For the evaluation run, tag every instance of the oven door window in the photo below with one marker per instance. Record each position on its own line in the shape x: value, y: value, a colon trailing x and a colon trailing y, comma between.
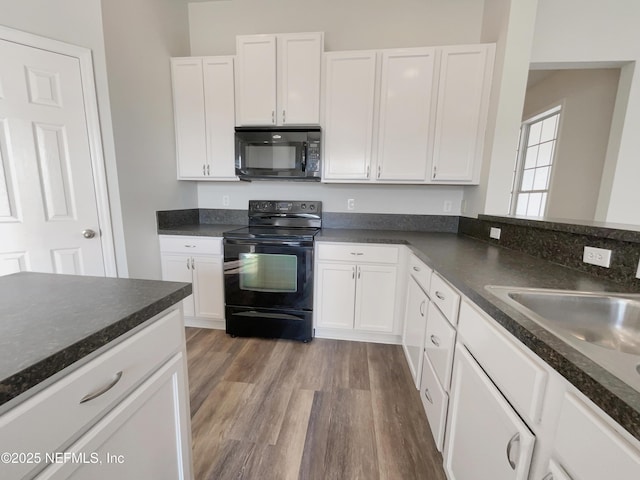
x: 267, y: 272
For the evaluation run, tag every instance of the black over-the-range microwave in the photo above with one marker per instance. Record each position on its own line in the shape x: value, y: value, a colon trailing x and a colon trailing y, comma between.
x: 278, y: 153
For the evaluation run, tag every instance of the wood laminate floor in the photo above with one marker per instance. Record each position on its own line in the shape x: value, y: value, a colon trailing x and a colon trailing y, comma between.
x: 278, y: 409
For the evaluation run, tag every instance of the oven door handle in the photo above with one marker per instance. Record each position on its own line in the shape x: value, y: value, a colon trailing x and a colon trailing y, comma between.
x: 255, y: 313
x: 270, y: 243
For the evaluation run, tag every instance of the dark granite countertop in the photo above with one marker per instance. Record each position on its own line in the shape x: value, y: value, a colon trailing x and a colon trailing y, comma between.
x: 49, y: 322
x: 470, y: 265
x: 202, y: 229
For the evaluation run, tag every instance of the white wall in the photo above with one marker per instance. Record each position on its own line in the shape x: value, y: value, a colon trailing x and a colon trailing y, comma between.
x: 587, y: 98
x: 579, y: 31
x: 140, y: 37
x: 510, y: 24
x: 352, y: 24
x: 356, y: 24
x: 78, y: 22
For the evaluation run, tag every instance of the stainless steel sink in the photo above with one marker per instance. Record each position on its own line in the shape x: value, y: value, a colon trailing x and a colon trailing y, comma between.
x: 604, y: 326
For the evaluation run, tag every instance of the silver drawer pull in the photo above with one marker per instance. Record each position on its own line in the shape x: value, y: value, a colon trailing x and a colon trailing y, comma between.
x: 190, y: 246
x: 102, y: 390
x: 435, y: 340
x: 514, y: 439
x: 428, y: 397
x: 416, y: 269
x: 357, y: 253
x: 439, y: 295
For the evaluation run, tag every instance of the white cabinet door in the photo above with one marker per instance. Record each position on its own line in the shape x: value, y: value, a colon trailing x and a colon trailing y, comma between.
x: 208, y: 287
x: 189, y: 116
x: 485, y: 436
x: 177, y: 268
x: 415, y: 322
x: 300, y: 57
x: 143, y: 437
x: 375, y: 298
x: 348, y: 115
x: 219, y: 95
x: 336, y: 295
x: 405, y: 114
x: 461, y: 117
x: 256, y: 87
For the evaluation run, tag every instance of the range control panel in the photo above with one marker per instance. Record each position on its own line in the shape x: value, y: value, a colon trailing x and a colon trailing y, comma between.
x: 285, y: 206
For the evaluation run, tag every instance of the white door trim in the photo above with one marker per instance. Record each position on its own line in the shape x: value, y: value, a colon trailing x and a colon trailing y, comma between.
x: 93, y: 130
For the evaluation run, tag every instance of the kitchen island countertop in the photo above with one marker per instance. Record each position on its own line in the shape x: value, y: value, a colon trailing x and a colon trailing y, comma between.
x: 52, y: 322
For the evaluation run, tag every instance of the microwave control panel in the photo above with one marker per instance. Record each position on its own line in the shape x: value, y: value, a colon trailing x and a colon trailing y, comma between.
x: 313, y: 156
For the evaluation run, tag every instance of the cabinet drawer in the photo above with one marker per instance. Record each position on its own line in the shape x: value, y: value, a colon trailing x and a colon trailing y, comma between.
x: 445, y: 297
x: 356, y: 252
x: 584, y: 440
x: 191, y: 245
x: 518, y: 376
x: 53, y: 418
x: 420, y: 272
x: 439, y: 344
x: 435, y: 401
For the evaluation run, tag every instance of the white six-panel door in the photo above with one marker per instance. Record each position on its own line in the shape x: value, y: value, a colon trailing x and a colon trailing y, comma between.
x: 47, y: 196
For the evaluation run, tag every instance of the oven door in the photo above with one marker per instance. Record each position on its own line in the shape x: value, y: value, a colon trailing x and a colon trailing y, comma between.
x: 268, y: 274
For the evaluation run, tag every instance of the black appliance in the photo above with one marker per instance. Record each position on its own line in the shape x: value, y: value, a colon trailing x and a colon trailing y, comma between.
x: 278, y: 153
x: 268, y: 271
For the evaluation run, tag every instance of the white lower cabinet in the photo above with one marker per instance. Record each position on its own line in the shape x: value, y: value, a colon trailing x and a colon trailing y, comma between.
x: 357, y: 299
x: 435, y: 401
x: 143, y: 437
x: 415, y: 324
x: 196, y: 260
x: 485, y: 437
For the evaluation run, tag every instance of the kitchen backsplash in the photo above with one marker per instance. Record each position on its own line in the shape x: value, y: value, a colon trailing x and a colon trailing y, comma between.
x: 563, y: 243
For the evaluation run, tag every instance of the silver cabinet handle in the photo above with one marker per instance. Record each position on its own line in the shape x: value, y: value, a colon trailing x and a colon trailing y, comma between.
x: 439, y: 295
x: 379, y: 167
x: 424, y: 302
x: 353, y: 272
x: 102, y: 390
x: 193, y: 264
x: 359, y: 270
x: 357, y: 253
x: 515, y: 439
x: 273, y: 117
x: 188, y: 263
x: 427, y: 396
x: 434, y: 171
x: 189, y: 246
x: 435, y: 340
x: 88, y: 233
x: 416, y: 269
x: 208, y: 170
x: 368, y: 170
x: 284, y: 116
x: 204, y: 169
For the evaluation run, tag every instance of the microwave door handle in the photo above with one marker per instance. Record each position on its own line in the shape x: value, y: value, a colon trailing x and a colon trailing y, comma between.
x: 303, y: 163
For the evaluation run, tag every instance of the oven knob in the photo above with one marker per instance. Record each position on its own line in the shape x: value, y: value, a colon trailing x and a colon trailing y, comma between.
x: 303, y: 206
x: 312, y: 207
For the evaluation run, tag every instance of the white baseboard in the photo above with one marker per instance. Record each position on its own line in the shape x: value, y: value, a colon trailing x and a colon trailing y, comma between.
x: 372, y: 337
x: 198, y: 322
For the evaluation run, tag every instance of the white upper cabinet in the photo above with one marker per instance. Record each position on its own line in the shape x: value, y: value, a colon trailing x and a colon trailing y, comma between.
x: 461, y: 112
x: 278, y: 79
x: 204, y: 113
x: 300, y: 57
x: 348, y: 121
x: 404, y: 130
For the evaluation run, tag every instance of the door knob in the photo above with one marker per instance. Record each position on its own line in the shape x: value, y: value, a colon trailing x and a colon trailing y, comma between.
x: 88, y: 233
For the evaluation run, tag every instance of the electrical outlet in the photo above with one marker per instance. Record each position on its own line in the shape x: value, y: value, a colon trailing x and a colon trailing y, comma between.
x: 351, y: 204
x: 495, y: 233
x: 225, y: 200
x: 447, y: 206
x: 597, y: 256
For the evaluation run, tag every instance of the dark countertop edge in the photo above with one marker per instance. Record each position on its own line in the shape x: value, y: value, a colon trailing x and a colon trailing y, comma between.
x: 539, y: 341
x: 613, y: 231
x: 44, y: 372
